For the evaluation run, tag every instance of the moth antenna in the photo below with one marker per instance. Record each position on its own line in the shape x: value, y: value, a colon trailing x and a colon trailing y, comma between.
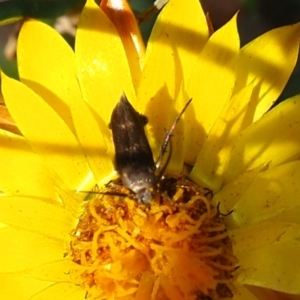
x: 169, y: 134
x: 162, y: 171
x: 103, y: 193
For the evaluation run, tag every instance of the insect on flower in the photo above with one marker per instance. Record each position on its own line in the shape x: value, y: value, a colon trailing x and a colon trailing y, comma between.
x: 133, y: 156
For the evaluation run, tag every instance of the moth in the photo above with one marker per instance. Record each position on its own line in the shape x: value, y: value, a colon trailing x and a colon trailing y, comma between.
x: 133, y: 155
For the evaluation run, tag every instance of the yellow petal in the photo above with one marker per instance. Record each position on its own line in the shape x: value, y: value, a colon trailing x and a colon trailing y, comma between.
x: 95, y: 138
x: 65, y: 291
x: 184, y: 24
x: 3, y: 225
x: 25, y: 173
x: 102, y: 65
x: 72, y: 200
x: 242, y: 293
x: 250, y: 238
x: 263, y: 293
x: 273, y: 139
x: 271, y: 193
x: 47, y: 133
x: 18, y: 286
x: 156, y: 91
x: 270, y: 59
x: 274, y: 266
x: 211, y: 84
x: 37, y: 215
x: 170, y: 56
x: 22, y: 250
x: 175, y: 152
x: 235, y: 116
x: 47, y: 69
x: 231, y: 193
x: 52, y: 270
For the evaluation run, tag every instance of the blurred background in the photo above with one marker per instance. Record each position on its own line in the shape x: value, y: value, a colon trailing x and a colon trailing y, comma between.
x: 255, y: 17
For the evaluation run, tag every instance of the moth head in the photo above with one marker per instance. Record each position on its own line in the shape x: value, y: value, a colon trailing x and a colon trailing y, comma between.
x: 141, y: 183
x: 144, y: 196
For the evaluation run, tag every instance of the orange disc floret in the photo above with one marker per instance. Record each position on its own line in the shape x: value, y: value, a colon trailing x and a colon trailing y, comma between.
x: 174, y: 248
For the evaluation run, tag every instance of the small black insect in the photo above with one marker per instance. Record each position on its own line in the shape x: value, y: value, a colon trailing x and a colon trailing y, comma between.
x: 133, y: 156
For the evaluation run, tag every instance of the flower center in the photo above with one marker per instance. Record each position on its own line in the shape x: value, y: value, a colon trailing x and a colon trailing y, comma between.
x: 176, y: 247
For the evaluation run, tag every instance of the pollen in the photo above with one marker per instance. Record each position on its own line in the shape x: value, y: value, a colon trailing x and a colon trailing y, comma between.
x: 176, y: 247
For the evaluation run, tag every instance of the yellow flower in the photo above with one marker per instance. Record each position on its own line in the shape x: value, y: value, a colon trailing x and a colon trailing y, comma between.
x: 247, y: 156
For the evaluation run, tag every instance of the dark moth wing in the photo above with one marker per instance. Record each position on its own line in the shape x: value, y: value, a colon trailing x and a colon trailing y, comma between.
x: 133, y: 156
